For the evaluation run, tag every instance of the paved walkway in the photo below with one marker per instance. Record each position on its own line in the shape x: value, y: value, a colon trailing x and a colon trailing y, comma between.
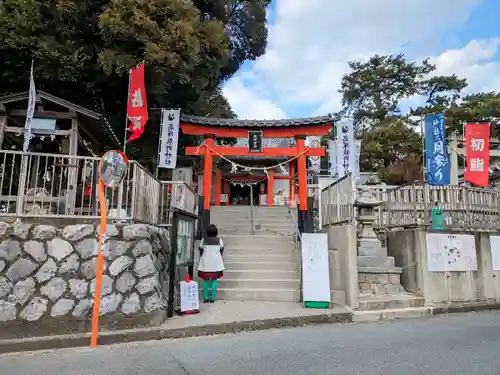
x: 218, y: 318
x: 222, y: 312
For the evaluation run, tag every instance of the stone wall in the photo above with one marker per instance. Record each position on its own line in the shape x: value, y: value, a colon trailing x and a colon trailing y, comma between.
x: 342, y: 259
x: 47, y: 278
x: 409, y: 247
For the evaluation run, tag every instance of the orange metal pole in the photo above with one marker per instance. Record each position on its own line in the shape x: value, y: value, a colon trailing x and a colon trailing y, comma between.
x: 291, y: 188
x: 100, y: 265
x: 270, y: 188
x: 302, y: 173
x: 207, y: 173
x: 218, y: 187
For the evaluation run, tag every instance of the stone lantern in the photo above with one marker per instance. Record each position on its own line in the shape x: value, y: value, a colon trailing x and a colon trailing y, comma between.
x: 366, y: 205
x: 377, y: 274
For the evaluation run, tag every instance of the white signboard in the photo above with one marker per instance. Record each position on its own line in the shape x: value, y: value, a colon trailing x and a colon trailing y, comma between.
x: 315, y: 269
x: 451, y: 252
x: 495, y: 252
x: 189, y: 296
x: 169, y: 138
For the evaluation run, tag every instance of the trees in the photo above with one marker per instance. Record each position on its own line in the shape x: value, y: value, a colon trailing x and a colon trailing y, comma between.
x: 83, y: 51
x: 373, y: 92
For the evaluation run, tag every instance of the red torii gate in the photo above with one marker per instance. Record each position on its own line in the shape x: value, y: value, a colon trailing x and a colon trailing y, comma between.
x: 231, y: 128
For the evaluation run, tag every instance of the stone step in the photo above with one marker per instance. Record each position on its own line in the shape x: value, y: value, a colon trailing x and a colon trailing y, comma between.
x: 263, y: 274
x: 260, y: 249
x: 227, y: 283
x: 248, y: 231
x: 241, y: 256
x: 259, y: 241
x: 390, y: 314
x: 244, y: 223
x: 247, y: 248
x: 247, y: 224
x: 390, y: 302
x: 256, y: 266
x: 257, y: 216
x: 246, y: 294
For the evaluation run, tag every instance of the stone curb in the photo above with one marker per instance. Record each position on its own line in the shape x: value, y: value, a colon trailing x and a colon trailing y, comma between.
x: 160, y: 333
x: 453, y: 309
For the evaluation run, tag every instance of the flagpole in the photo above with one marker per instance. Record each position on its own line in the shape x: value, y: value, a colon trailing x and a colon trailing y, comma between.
x: 159, y: 145
x: 424, y: 167
x: 126, y: 114
x: 30, y: 110
x: 120, y: 189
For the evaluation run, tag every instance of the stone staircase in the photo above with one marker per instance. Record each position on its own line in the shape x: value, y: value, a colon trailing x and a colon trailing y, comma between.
x: 263, y: 266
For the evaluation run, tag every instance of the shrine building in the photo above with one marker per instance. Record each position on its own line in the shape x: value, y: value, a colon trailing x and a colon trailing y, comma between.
x: 269, y: 160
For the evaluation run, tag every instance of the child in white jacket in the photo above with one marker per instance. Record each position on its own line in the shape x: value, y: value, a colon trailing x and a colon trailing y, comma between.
x: 211, y: 265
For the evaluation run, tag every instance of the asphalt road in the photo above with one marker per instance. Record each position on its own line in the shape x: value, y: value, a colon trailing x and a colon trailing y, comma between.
x: 457, y: 344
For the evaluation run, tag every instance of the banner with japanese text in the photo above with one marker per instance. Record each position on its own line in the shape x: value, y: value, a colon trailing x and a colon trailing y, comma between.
x: 314, y: 161
x: 30, y: 111
x: 169, y: 138
x: 436, y: 150
x: 477, y: 154
x: 137, y: 106
x: 346, y: 148
x: 332, y: 158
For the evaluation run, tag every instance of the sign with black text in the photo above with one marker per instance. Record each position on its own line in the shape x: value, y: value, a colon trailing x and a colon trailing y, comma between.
x: 169, y: 138
x: 255, y: 141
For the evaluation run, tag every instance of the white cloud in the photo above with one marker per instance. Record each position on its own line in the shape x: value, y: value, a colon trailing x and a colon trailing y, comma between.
x: 248, y: 105
x: 474, y: 62
x: 311, y: 42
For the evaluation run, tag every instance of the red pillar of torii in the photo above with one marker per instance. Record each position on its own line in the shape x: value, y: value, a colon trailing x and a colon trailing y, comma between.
x: 228, y: 128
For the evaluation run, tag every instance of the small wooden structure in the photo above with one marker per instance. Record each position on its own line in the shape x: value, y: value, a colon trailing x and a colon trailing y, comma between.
x: 86, y: 130
x: 66, y: 140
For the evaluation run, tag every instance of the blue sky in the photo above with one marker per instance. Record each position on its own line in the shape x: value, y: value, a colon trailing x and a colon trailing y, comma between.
x: 310, y: 43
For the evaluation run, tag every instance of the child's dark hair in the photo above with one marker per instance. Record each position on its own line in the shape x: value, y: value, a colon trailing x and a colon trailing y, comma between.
x: 212, y: 231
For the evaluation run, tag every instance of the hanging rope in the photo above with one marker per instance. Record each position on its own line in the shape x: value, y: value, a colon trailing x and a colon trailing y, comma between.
x: 235, y: 166
x: 246, y: 183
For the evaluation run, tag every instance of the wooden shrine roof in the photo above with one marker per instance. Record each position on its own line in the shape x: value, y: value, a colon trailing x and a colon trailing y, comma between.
x: 221, y: 122
x: 95, y: 123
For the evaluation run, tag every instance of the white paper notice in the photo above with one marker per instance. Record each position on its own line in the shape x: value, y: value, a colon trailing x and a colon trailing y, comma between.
x: 315, y: 269
x: 189, y: 296
x: 495, y: 252
x: 451, y: 252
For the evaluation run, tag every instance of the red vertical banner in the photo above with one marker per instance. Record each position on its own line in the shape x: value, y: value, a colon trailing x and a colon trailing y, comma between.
x: 137, y: 106
x: 477, y: 151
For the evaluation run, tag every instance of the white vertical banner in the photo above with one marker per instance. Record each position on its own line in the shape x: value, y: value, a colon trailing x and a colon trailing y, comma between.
x: 315, y: 161
x: 357, y: 170
x: 30, y: 112
x: 169, y: 139
x: 346, y: 148
x: 332, y: 158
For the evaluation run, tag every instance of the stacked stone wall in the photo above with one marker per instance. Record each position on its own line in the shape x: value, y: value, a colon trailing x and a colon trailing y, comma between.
x: 48, y: 275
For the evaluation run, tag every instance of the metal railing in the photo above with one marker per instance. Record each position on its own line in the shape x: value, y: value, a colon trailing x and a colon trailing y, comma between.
x: 461, y: 206
x: 412, y: 205
x: 337, y: 201
x: 39, y: 185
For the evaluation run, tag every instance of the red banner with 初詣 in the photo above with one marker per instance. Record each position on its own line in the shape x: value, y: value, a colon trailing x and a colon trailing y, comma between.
x: 477, y: 152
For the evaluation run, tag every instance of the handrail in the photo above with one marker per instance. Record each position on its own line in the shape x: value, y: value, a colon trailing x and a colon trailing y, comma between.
x: 296, y: 223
